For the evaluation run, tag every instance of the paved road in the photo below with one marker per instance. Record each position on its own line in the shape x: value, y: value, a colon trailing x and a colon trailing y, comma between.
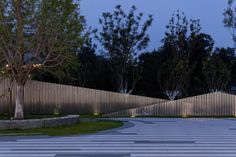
x: 138, y: 138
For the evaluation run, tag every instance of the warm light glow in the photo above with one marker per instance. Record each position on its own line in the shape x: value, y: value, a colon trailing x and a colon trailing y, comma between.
x: 184, y: 116
x: 95, y: 113
x: 36, y: 65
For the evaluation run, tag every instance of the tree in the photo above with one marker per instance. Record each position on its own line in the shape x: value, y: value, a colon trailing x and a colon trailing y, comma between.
x: 217, y: 73
x: 176, y: 70
x: 123, y: 38
x: 37, y: 34
x: 230, y: 23
x: 230, y: 19
x: 173, y: 77
x: 200, y: 48
x: 149, y: 85
x: 93, y: 71
x: 88, y: 65
x: 227, y: 55
x: 65, y: 73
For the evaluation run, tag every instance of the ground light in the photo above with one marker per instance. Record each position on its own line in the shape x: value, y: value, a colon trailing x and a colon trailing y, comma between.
x: 95, y: 113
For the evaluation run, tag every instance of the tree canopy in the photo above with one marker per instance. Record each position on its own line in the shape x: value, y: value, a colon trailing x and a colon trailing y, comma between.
x: 37, y: 34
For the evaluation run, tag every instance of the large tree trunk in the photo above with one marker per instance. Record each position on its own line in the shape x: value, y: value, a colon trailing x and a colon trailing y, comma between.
x: 19, y: 113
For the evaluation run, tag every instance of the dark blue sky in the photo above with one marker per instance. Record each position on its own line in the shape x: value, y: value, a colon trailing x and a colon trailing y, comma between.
x: 208, y: 11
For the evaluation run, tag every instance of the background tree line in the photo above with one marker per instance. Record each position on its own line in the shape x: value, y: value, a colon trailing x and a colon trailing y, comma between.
x: 187, y: 63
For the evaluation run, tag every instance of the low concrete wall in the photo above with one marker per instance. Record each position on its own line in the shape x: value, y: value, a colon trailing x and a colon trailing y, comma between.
x: 39, y: 123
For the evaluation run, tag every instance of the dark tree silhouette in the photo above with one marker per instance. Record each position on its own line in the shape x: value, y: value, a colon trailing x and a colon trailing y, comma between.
x: 123, y: 37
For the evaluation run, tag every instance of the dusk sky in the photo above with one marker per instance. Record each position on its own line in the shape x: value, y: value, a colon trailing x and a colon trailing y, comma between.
x: 208, y: 11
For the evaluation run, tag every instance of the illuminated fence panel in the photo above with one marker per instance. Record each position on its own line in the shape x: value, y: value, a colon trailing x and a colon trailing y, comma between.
x: 207, y: 105
x: 47, y: 98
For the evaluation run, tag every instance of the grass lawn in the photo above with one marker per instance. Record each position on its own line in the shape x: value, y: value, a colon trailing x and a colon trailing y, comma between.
x: 84, y: 127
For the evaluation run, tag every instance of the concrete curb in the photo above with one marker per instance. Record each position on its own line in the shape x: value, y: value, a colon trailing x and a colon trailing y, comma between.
x: 39, y: 123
